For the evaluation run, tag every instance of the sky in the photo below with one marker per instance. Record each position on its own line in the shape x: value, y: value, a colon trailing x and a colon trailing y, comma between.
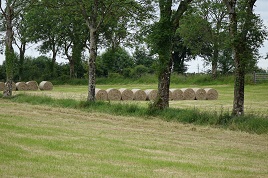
x: 261, y: 7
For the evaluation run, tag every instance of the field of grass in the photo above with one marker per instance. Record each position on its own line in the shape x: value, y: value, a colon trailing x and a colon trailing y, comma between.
x: 44, y: 141
x: 256, y: 98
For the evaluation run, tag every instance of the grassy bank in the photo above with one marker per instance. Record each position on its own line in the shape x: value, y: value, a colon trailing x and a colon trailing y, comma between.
x: 48, y: 141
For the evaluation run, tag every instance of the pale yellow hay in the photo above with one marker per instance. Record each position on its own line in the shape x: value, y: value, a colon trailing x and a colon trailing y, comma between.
x: 113, y: 94
x: 151, y: 94
x: 21, y: 86
x: 139, y: 94
x: 101, y: 94
x: 126, y: 94
x: 2, y: 86
x: 45, y: 85
x: 200, y: 93
x: 32, y: 85
x: 177, y: 94
x: 211, y: 94
x: 188, y: 94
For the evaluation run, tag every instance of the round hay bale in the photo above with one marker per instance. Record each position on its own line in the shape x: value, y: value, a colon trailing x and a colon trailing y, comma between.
x: 32, y: 85
x: 188, y: 93
x: 139, y: 95
x: 113, y: 94
x: 151, y: 94
x: 211, y: 94
x: 126, y: 94
x: 2, y: 86
x: 200, y: 93
x: 21, y: 86
x: 177, y: 94
x: 45, y: 85
x: 101, y: 94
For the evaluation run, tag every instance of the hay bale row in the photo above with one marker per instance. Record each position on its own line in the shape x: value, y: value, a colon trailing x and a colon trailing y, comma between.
x: 151, y: 94
x: 31, y: 85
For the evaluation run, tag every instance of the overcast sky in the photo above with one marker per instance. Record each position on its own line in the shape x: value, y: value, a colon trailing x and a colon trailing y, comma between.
x: 261, y: 8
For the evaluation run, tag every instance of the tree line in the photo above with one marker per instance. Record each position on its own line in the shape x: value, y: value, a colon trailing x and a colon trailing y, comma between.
x: 165, y: 34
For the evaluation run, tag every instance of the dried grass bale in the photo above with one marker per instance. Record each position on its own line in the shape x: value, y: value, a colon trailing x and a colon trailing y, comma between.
x: 139, y: 95
x: 45, y: 85
x: 2, y: 86
x: 211, y: 94
x: 21, y: 86
x: 32, y: 85
x: 126, y: 94
x: 151, y: 94
x: 200, y: 94
x: 176, y: 94
x: 188, y: 94
x: 113, y: 94
x: 101, y: 94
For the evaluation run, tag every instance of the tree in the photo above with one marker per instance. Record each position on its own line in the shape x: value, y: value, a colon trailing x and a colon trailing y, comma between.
x: 247, y: 36
x: 96, y: 14
x: 20, y: 40
x: 116, y: 59
x: 44, y: 26
x: 10, y: 10
x: 161, y: 40
x: 204, y: 31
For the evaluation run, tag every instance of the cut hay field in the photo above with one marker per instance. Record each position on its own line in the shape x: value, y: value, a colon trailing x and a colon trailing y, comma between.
x: 256, y: 96
x: 42, y: 141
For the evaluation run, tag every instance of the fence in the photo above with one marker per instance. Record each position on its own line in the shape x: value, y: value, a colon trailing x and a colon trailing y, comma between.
x: 258, y: 77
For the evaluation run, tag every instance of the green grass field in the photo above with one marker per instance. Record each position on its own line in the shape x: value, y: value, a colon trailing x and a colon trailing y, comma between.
x: 256, y: 96
x: 47, y: 141
x: 43, y: 141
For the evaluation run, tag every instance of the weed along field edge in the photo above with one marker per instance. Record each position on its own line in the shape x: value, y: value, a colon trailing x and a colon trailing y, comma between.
x: 45, y: 141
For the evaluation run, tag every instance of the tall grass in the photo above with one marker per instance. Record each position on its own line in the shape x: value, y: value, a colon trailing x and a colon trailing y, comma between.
x: 248, y: 123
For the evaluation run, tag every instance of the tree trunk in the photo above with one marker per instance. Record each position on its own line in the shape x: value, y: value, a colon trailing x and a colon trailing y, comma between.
x: 92, y: 65
x: 167, y: 26
x: 22, y: 56
x: 71, y: 65
x: 215, y: 62
x: 162, y: 100
x: 239, y: 87
x: 240, y: 51
x: 9, y: 52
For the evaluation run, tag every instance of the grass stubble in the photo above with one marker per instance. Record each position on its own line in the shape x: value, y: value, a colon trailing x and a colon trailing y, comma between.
x: 43, y: 141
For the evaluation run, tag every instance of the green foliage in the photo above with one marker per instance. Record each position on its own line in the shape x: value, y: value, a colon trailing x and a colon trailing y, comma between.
x: 117, y: 59
x: 139, y: 71
x: 248, y: 123
x: 10, y: 58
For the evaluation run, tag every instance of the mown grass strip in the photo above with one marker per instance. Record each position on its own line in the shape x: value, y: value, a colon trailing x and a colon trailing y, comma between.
x: 248, y: 123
